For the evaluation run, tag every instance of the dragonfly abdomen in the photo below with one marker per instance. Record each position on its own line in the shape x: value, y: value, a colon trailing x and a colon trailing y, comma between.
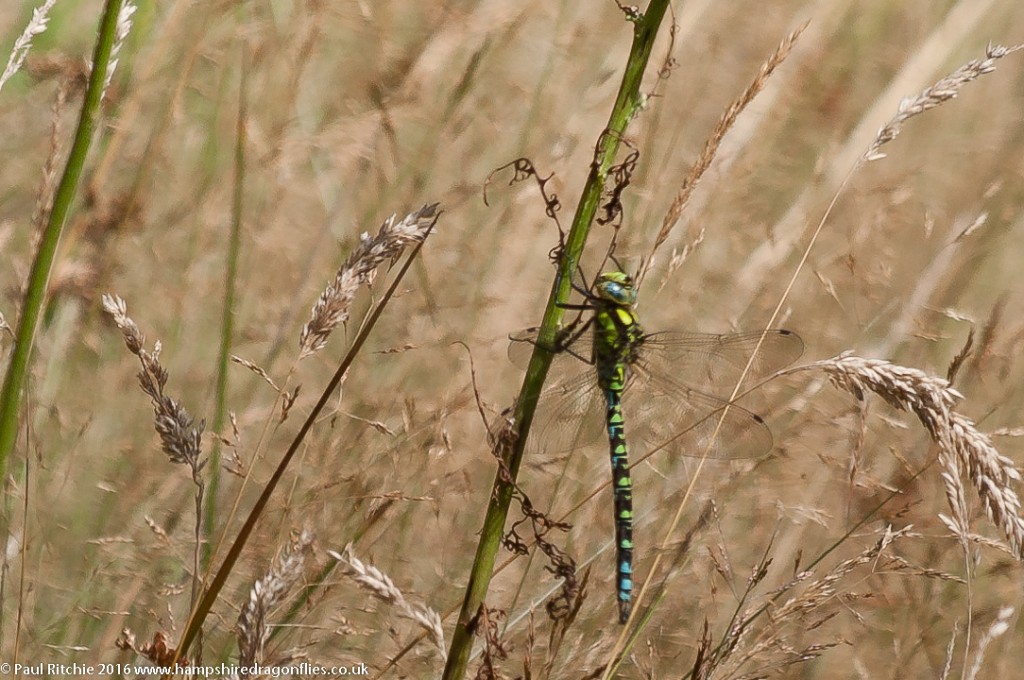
x: 617, y: 338
x: 623, y: 489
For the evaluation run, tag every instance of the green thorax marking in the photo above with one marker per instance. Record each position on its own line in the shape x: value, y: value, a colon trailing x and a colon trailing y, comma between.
x: 618, y: 333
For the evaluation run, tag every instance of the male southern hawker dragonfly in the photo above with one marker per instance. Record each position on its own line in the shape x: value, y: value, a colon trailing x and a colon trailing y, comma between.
x: 642, y: 382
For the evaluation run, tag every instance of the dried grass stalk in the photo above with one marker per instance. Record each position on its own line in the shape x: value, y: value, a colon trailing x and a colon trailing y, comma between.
x: 359, y: 269
x: 44, y: 200
x: 768, y: 645
x: 381, y: 586
x: 996, y: 630
x: 180, y: 438
x: 267, y: 593
x: 725, y: 122
x: 822, y: 590
x: 124, y: 27
x: 258, y: 370
x: 943, y: 90
x: 36, y: 25
x: 961, y: 445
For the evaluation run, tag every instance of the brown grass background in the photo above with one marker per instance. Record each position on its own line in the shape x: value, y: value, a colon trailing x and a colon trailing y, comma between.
x: 358, y: 110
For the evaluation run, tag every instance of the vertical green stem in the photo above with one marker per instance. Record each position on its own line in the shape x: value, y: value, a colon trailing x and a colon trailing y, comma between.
x: 35, y: 293
x: 228, y: 312
x: 627, y: 104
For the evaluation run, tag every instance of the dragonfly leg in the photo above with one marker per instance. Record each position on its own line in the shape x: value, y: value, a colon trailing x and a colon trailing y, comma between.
x: 568, y: 336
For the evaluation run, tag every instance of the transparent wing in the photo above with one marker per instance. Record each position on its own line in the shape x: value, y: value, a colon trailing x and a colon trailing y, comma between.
x: 661, y: 410
x: 718, y: 360
x: 569, y: 415
x: 705, y: 359
x: 660, y: 415
x: 665, y: 415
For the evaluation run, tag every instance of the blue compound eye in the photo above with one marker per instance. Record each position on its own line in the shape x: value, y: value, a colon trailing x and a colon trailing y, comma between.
x: 617, y: 288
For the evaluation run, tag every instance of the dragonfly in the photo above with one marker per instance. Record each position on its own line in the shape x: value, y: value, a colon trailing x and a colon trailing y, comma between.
x: 646, y: 378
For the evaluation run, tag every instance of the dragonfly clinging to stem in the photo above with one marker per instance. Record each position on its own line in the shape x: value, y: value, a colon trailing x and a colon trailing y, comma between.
x: 663, y: 410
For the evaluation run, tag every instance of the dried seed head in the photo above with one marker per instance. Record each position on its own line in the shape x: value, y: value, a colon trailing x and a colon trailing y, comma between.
x: 942, y: 91
x: 381, y: 586
x: 133, y: 337
x: 267, y: 593
x: 180, y: 438
x: 359, y: 269
x: 962, y: 446
x: 124, y: 27
x: 36, y: 25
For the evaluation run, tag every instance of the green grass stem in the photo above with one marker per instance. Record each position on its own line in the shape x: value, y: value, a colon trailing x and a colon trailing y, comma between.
x: 227, y: 329
x: 627, y: 104
x: 35, y: 293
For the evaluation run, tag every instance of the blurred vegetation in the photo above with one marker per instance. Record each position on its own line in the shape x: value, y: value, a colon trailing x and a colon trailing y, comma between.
x: 359, y: 110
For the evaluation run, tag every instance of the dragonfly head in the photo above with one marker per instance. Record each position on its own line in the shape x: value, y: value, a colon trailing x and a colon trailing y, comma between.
x: 617, y: 288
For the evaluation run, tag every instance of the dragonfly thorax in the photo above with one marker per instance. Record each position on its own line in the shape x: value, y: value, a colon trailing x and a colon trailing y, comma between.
x: 618, y: 333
